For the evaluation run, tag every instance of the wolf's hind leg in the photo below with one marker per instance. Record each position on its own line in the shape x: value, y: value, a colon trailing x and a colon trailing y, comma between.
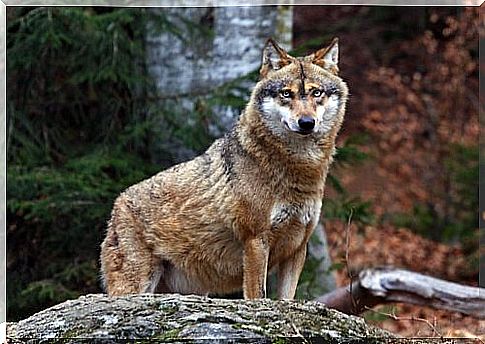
x: 127, y: 263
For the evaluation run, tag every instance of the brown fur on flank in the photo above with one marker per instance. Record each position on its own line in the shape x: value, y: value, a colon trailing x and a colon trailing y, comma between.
x: 220, y: 222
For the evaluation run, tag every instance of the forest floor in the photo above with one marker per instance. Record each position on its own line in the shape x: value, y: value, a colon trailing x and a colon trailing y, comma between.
x: 386, y: 244
x: 373, y: 246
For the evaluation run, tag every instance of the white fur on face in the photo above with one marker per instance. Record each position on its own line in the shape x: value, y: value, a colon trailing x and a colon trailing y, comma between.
x: 278, y: 115
x: 327, y: 112
x: 279, y: 118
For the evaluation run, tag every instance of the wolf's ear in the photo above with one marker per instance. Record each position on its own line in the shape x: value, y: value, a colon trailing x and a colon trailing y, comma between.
x: 274, y: 58
x: 327, y: 57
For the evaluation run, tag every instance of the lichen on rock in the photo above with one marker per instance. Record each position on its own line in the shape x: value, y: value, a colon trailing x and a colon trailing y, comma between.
x: 173, y: 317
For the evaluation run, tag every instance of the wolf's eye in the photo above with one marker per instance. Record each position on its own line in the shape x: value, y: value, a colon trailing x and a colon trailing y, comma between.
x: 317, y: 93
x: 331, y: 90
x: 286, y: 93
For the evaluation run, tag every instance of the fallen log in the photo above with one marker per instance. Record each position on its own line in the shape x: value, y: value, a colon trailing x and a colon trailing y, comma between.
x: 387, y: 285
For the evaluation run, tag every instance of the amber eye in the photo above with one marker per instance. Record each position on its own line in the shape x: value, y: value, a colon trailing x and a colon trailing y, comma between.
x: 286, y: 93
x: 317, y: 93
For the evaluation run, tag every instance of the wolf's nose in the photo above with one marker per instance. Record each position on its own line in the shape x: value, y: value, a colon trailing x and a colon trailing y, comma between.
x: 306, y: 123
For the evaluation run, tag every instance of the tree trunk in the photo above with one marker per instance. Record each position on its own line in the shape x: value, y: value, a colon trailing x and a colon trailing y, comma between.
x: 174, y: 317
x: 230, y: 49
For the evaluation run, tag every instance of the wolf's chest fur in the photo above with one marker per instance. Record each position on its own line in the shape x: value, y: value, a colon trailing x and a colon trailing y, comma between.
x: 305, y: 213
x: 291, y: 225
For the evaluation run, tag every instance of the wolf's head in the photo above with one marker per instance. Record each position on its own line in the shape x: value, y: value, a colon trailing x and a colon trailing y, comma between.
x: 300, y: 96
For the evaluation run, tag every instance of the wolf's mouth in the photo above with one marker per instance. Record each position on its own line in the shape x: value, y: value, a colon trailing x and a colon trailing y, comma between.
x: 304, y: 132
x: 299, y: 131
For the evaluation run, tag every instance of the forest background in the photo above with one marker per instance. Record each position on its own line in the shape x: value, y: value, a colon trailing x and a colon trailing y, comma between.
x: 84, y: 121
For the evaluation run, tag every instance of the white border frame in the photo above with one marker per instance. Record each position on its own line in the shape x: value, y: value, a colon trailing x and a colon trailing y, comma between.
x: 176, y: 3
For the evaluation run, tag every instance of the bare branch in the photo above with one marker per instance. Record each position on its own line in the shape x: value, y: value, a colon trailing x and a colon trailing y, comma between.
x: 411, y: 318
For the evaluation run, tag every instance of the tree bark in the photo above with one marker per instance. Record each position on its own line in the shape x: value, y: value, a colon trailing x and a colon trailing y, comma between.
x: 173, y: 317
x: 185, y: 70
x: 385, y: 285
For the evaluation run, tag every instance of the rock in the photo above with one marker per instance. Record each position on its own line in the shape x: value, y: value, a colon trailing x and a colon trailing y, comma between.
x: 173, y: 317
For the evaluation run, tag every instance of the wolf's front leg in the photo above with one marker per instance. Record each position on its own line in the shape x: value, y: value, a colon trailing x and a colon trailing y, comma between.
x: 289, y: 272
x: 255, y: 267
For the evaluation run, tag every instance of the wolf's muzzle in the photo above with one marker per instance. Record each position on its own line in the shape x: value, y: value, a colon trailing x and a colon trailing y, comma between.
x: 306, y: 124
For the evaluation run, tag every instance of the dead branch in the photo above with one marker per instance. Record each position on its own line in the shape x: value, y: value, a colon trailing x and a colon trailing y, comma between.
x: 386, y: 285
x: 393, y: 316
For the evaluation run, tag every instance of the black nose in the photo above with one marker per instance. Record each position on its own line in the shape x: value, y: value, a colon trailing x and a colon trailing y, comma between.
x: 306, y: 123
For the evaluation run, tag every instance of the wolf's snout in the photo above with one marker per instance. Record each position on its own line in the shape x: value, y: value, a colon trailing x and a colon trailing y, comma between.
x: 306, y: 123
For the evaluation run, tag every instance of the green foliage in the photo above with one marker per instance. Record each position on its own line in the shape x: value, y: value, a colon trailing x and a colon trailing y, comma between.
x: 83, y: 124
x: 350, y: 152
x: 66, y: 66
x: 421, y: 219
x: 345, y: 206
x: 56, y: 221
x: 463, y: 168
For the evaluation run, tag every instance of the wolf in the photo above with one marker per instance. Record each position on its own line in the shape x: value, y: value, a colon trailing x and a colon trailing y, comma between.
x: 247, y: 206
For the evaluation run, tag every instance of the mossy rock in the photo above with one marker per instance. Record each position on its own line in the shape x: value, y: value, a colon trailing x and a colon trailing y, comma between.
x: 173, y: 318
